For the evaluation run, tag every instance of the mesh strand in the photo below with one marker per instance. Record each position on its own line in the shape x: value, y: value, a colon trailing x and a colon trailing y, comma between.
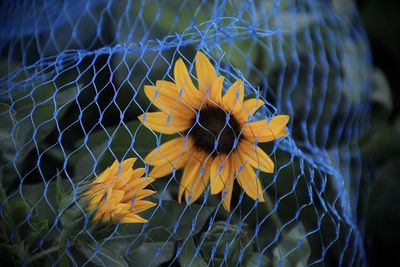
x: 72, y: 82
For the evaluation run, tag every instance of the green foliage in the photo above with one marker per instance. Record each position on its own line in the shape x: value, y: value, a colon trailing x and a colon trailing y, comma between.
x: 21, y: 231
x: 188, y: 255
x: 293, y: 249
x: 191, y: 219
x: 258, y: 260
x: 124, y: 140
x: 231, y: 244
x: 33, y: 115
x: 24, y: 128
x: 101, y: 255
x: 163, y: 224
x: 152, y: 254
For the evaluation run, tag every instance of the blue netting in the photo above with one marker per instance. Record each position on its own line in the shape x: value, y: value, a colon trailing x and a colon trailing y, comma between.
x: 72, y: 87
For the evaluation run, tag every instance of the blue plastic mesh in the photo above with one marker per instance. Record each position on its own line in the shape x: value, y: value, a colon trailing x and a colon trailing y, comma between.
x: 72, y: 79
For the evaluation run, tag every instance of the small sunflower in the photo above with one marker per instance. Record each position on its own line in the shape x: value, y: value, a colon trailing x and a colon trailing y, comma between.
x: 117, y: 194
x: 218, y: 139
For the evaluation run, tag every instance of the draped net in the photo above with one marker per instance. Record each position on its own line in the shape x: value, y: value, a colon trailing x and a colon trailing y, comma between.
x: 72, y: 84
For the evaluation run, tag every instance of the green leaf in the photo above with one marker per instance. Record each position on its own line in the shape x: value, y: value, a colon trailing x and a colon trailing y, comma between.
x: 42, y: 198
x: 152, y: 254
x: 188, y: 255
x: 125, y: 140
x: 258, y: 260
x: 45, y: 200
x: 41, y: 118
x: 174, y: 216
x: 168, y: 217
x: 7, y: 149
x: 293, y: 249
x: 35, y: 233
x: 121, y: 243
x: 158, y: 234
x: 61, y: 193
x: 26, y: 125
x: 227, y: 244
x: 102, y: 255
x: 7, y: 121
x: 15, y: 211
x: 16, y: 252
x: 72, y: 213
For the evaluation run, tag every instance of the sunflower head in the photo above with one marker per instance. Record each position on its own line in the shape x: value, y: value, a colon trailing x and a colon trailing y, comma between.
x: 117, y: 195
x: 218, y: 136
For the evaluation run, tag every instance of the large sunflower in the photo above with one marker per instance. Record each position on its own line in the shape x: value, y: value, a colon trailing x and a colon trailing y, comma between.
x: 217, y: 138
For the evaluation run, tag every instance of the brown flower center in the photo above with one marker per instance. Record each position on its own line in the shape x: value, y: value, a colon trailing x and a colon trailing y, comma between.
x: 214, y: 131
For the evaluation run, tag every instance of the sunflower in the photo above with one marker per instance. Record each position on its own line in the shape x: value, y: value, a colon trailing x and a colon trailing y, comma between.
x: 117, y: 194
x: 217, y: 140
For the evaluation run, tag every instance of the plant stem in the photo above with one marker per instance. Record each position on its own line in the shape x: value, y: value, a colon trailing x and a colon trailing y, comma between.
x: 43, y: 253
x: 274, y: 216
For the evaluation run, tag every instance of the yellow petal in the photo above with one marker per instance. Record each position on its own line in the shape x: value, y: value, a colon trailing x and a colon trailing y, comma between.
x: 250, y: 183
x: 205, y: 71
x: 133, y: 175
x: 219, y: 176
x: 216, y: 90
x: 164, y: 123
x: 104, y: 176
x: 121, y: 208
x: 118, y: 168
x: 199, y: 185
x: 265, y: 131
x: 191, y: 100
x: 95, y: 188
x: 95, y: 201
x: 137, y: 173
x: 190, y: 174
x: 233, y: 97
x: 122, y: 180
x: 144, y: 193
x: 142, y: 205
x: 163, y: 170
x: 168, y: 100
x: 131, y: 195
x: 185, y: 85
x: 127, y: 164
x: 168, y: 152
x: 102, y: 209
x: 228, y: 189
x: 255, y: 156
x: 248, y: 108
x: 132, y: 218
x: 98, y: 215
x: 116, y: 196
x: 114, y: 167
x: 139, y: 183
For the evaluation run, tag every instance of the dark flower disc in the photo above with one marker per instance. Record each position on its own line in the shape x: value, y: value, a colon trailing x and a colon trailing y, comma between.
x: 215, y: 126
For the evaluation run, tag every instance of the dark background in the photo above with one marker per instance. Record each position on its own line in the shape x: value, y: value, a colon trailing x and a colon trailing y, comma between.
x: 381, y: 19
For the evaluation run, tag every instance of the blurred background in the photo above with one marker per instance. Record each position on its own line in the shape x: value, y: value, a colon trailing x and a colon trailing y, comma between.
x: 92, y: 89
x: 382, y: 143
